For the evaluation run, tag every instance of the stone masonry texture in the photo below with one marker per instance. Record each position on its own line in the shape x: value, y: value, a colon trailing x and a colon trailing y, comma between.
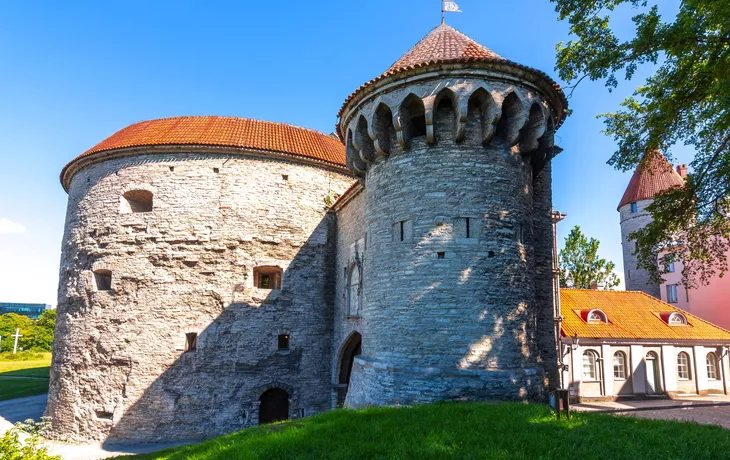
x: 636, y: 279
x: 120, y: 371
x: 429, y: 279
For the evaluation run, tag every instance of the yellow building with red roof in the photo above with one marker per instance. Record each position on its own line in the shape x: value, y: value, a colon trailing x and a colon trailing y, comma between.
x: 630, y: 344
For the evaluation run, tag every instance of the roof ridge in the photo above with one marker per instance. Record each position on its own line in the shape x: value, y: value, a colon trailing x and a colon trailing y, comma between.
x: 233, y: 117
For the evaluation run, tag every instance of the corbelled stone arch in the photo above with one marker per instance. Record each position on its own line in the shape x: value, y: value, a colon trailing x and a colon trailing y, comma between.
x: 352, y: 156
x: 442, y: 120
x: 411, y: 120
x: 362, y: 142
x: 534, y: 129
x: 512, y: 119
x: 381, y: 126
x: 483, y: 115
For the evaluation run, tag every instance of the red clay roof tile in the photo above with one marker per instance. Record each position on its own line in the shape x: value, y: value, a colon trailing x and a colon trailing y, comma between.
x: 654, y: 175
x: 224, y: 132
x: 631, y: 315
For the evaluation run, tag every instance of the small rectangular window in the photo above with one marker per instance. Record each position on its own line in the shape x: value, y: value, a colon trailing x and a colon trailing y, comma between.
x: 468, y: 227
x: 191, y: 341
x: 672, y: 293
x: 402, y: 230
x: 670, y: 267
x: 103, y: 280
x: 634, y: 207
x: 283, y: 341
x: 441, y: 255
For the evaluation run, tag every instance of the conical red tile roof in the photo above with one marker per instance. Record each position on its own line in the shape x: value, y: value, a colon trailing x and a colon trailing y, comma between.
x: 654, y: 175
x: 443, y: 44
x: 446, y: 45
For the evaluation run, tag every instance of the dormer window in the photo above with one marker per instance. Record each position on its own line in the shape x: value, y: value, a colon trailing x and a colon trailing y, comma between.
x: 677, y: 319
x: 595, y: 316
x: 634, y: 207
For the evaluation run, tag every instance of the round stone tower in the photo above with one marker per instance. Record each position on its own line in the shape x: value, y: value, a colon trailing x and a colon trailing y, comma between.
x: 453, y: 145
x: 653, y: 176
x: 193, y: 294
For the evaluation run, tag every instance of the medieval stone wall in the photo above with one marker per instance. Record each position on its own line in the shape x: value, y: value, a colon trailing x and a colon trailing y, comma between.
x: 351, y: 253
x: 450, y: 273
x: 122, y: 370
x: 636, y: 279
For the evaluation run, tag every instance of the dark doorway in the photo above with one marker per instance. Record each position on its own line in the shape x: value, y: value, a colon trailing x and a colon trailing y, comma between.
x: 273, y: 406
x: 350, y: 349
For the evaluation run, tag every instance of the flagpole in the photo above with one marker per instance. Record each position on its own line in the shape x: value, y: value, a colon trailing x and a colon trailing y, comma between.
x: 442, y: 12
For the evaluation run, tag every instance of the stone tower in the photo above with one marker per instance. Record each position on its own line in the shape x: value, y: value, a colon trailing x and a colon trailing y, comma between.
x: 194, y: 281
x: 653, y: 176
x: 453, y: 146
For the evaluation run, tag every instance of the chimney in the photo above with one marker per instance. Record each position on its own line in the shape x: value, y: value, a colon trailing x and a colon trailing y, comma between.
x: 682, y: 171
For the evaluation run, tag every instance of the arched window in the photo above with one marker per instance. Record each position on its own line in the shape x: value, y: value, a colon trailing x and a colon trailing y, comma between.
x: 619, y: 365
x: 354, y: 292
x: 591, y: 370
x: 677, y: 319
x: 683, y: 366
x: 597, y: 316
x: 711, y: 360
x: 136, y: 201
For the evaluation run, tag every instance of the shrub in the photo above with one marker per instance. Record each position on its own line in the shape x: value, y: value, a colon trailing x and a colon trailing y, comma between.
x: 30, y: 448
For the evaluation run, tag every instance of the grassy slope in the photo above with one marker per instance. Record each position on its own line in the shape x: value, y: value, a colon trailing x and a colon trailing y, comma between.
x: 19, y: 387
x: 463, y: 431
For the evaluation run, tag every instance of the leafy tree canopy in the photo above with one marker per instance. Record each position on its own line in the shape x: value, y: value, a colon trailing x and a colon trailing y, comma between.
x: 686, y: 101
x: 580, y: 266
x: 37, y: 335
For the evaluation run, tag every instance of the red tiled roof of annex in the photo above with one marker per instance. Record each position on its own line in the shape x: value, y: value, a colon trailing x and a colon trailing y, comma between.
x: 225, y: 132
x: 654, y: 175
x: 631, y: 315
x: 444, y: 44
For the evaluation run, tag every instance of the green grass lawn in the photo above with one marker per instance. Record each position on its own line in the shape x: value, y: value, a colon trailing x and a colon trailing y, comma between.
x: 463, y: 431
x: 13, y: 387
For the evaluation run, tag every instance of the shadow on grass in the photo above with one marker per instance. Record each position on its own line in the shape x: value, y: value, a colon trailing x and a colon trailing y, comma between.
x: 463, y: 431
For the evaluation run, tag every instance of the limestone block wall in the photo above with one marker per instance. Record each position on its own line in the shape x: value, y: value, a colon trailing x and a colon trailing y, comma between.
x: 349, y: 325
x: 635, y: 279
x: 450, y: 306
x: 120, y: 368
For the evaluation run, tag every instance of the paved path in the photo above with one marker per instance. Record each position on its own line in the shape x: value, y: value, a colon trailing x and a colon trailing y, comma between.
x: 706, y: 410
x: 21, y: 409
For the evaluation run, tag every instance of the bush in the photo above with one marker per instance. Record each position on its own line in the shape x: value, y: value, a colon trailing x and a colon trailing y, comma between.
x: 13, y: 448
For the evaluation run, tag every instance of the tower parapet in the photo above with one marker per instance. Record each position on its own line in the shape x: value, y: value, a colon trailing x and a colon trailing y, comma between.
x: 453, y: 144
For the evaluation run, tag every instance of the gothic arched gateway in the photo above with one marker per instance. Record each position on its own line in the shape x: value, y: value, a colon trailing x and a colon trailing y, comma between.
x: 351, y: 348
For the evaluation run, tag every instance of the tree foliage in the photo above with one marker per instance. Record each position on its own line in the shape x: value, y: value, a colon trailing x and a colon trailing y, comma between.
x: 685, y: 101
x: 37, y: 335
x: 580, y: 266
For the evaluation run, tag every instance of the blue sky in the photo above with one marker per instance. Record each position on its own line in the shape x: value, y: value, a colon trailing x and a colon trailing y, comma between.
x: 75, y: 72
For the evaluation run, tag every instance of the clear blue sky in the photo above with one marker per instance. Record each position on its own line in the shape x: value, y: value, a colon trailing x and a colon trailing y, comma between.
x: 74, y: 72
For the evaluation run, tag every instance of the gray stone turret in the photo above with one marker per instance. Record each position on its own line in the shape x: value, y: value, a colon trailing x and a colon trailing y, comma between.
x: 453, y: 146
x: 653, y: 176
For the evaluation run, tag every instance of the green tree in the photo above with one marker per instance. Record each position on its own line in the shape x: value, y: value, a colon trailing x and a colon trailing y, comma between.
x: 580, y: 266
x: 41, y: 338
x: 685, y: 101
x: 9, y: 322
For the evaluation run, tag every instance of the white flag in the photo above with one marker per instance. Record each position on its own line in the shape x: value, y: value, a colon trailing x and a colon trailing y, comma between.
x: 450, y: 7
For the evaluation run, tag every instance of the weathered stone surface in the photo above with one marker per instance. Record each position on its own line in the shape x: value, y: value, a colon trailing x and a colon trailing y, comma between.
x: 120, y: 370
x: 635, y: 278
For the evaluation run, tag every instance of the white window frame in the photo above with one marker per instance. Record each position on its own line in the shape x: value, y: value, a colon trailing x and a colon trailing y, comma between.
x: 712, y: 364
x: 590, y: 364
x: 684, y: 366
x: 671, y: 293
x: 619, y: 366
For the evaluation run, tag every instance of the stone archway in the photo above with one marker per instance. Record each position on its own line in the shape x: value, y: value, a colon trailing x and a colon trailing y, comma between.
x: 273, y: 406
x: 351, y: 348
